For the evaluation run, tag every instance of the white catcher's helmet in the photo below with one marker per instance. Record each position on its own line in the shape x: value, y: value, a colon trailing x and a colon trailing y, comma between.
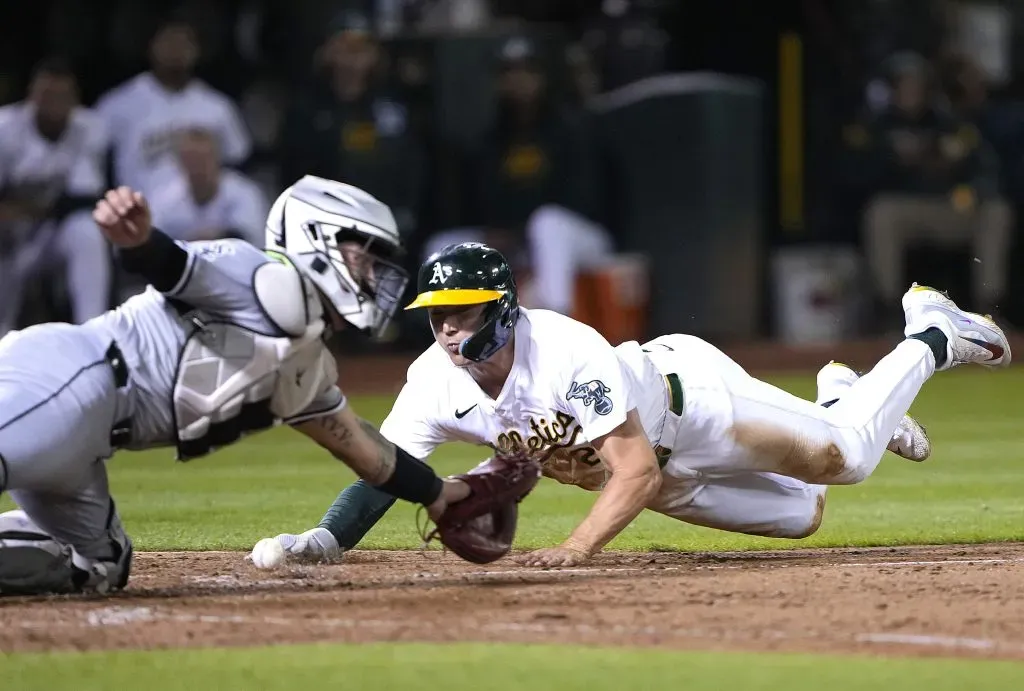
x: 310, y: 220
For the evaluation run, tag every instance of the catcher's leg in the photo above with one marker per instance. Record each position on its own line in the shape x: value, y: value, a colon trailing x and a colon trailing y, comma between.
x: 34, y: 561
x: 58, y: 404
x: 763, y: 504
x: 78, y: 539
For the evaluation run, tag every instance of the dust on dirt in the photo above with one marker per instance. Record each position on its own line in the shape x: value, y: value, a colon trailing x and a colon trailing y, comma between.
x: 942, y: 601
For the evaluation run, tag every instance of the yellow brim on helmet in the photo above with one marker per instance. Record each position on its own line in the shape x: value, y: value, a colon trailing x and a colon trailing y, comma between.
x: 455, y: 297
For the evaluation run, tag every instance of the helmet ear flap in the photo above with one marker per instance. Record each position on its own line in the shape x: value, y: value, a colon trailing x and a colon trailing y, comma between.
x: 500, y: 319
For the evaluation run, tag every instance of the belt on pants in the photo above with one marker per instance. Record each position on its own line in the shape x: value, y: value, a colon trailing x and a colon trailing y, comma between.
x: 676, y: 404
x: 120, y: 433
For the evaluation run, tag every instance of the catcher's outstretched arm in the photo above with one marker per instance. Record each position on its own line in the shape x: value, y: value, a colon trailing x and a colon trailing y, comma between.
x: 635, y: 480
x: 359, y: 445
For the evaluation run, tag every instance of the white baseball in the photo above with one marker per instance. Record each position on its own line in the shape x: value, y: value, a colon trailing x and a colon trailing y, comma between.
x: 268, y: 554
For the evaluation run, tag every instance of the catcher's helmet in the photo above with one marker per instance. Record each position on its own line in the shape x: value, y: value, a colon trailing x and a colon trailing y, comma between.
x: 472, y: 273
x: 311, y: 219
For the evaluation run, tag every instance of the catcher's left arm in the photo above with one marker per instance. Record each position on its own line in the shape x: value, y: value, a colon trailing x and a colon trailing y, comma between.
x: 454, y: 503
x: 635, y: 481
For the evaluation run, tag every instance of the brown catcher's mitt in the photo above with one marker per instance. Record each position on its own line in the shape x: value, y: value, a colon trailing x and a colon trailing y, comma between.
x: 480, y: 528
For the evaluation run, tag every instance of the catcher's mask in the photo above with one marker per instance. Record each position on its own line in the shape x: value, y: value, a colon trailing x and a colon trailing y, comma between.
x: 347, y: 242
x: 472, y: 273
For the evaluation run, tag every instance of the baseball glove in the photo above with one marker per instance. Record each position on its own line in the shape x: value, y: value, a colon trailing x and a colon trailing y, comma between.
x: 481, y: 527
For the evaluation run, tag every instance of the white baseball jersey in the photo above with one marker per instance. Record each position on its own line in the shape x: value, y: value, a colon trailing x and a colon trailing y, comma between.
x: 154, y: 331
x: 239, y: 205
x: 38, y: 170
x: 568, y: 387
x: 145, y: 118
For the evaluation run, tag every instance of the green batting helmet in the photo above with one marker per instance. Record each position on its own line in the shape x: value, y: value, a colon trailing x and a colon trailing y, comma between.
x: 472, y: 273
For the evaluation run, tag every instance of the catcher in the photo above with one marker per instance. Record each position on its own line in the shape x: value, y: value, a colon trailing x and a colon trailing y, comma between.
x: 227, y: 340
x: 673, y: 425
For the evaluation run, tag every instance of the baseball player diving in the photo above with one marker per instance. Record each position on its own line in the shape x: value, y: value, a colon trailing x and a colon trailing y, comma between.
x: 673, y: 425
x: 227, y: 340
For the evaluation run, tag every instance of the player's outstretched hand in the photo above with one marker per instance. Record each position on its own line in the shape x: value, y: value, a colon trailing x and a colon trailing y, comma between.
x: 553, y: 556
x: 123, y: 216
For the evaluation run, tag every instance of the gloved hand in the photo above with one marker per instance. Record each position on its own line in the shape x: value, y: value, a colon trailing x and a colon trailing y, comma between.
x: 315, y: 545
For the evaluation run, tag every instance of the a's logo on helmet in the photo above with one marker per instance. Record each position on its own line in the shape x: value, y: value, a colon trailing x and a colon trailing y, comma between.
x: 594, y: 393
x: 441, y: 274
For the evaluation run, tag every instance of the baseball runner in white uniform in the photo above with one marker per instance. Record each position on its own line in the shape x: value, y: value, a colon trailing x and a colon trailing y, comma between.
x: 672, y: 425
x: 51, y: 174
x: 228, y: 340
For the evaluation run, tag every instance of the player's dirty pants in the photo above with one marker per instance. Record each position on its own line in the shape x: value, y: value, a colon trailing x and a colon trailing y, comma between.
x: 749, y: 457
x: 61, y: 393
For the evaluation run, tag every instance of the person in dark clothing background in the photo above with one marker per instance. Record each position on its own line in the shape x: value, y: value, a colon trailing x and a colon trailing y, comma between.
x: 933, y: 179
x: 349, y: 125
x: 1001, y: 124
x: 530, y: 183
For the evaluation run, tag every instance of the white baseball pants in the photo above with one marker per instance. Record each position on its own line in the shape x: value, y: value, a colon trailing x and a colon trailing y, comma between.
x: 749, y: 457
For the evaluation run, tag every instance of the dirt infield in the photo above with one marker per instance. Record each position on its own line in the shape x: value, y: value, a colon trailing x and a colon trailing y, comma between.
x: 943, y: 601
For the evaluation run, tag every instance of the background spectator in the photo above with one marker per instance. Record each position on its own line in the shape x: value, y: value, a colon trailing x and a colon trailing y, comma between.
x: 395, y: 96
x: 349, y: 124
x: 206, y: 201
x: 148, y: 112
x: 531, y: 183
x: 935, y: 180
x: 51, y: 174
x: 1001, y: 124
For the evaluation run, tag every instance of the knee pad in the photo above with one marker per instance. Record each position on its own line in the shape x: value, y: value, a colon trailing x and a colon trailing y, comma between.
x: 34, y: 563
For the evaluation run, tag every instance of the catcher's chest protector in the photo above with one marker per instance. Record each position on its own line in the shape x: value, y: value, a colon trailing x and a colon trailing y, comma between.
x: 232, y: 381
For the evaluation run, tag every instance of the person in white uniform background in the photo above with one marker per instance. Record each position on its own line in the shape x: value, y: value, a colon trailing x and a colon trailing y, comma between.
x: 52, y: 153
x: 206, y: 201
x: 147, y: 113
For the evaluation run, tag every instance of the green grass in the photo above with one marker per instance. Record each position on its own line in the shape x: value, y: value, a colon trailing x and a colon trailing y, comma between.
x: 972, y: 489
x: 493, y: 667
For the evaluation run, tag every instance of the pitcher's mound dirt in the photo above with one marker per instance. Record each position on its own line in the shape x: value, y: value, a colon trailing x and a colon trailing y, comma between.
x: 949, y: 600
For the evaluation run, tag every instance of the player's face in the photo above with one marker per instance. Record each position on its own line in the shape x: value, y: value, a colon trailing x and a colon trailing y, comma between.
x: 175, y: 49
x: 454, y: 324
x: 359, y: 263
x: 354, y: 55
x: 198, y: 152
x: 54, y: 96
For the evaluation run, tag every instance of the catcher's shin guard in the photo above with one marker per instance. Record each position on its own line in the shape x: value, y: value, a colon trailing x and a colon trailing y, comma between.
x: 33, y: 563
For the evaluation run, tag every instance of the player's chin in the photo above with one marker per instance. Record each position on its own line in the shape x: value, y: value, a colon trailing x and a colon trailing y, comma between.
x: 459, y: 360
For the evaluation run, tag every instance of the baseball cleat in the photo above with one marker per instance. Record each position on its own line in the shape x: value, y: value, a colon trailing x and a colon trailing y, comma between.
x: 971, y: 338
x: 909, y: 441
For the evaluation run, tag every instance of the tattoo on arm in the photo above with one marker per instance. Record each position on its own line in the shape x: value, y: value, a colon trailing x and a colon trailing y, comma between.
x: 386, y: 453
x: 376, y: 464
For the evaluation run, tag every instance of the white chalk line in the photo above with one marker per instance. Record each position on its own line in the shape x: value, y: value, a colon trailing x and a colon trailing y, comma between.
x: 110, y: 617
